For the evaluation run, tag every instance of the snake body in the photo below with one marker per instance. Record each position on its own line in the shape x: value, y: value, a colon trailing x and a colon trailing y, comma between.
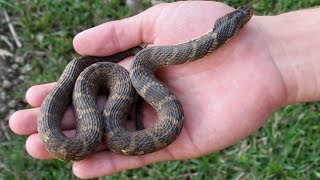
x: 86, y: 76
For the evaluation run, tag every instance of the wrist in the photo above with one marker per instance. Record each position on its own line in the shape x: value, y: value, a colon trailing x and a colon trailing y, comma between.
x: 293, y: 43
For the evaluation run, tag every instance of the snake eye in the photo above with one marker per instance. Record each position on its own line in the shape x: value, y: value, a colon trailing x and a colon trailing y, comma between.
x: 246, y: 11
x: 245, y: 14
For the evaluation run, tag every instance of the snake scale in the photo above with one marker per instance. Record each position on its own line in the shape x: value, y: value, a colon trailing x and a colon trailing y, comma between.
x: 86, y: 76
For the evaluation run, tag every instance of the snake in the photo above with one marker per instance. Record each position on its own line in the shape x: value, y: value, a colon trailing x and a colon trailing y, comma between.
x: 87, y: 76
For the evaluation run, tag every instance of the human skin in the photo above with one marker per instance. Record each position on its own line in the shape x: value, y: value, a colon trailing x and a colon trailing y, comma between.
x: 272, y: 62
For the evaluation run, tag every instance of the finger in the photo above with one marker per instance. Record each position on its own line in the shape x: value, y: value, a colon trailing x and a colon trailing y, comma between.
x: 24, y: 122
x: 36, y: 148
x: 117, y: 36
x: 106, y: 163
x: 36, y: 94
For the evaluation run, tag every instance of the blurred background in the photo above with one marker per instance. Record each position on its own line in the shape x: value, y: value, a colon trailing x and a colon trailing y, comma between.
x: 36, y: 44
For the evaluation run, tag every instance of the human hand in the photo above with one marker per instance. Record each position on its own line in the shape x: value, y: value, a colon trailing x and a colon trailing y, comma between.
x: 225, y: 96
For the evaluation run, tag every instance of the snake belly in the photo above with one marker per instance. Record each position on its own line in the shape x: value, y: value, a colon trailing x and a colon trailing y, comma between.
x: 92, y: 127
x: 166, y: 104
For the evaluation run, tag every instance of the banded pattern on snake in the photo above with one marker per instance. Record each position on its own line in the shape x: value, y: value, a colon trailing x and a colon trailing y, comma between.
x: 85, y: 76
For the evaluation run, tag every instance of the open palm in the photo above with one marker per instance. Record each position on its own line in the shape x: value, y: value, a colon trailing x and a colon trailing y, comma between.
x: 225, y: 96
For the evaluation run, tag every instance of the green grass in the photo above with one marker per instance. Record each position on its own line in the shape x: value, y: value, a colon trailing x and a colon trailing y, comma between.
x: 287, y: 146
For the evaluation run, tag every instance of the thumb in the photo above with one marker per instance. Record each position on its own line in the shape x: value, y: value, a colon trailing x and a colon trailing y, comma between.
x: 115, y: 36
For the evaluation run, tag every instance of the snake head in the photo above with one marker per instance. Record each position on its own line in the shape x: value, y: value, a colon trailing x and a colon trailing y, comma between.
x: 243, y: 15
x: 228, y: 25
x: 237, y: 18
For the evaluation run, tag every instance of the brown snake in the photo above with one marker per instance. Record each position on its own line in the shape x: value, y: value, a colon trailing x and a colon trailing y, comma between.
x: 85, y: 76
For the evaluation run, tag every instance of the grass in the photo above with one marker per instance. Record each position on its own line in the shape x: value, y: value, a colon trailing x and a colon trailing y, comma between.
x: 287, y: 146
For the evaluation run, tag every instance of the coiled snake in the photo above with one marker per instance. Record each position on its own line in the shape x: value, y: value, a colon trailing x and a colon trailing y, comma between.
x: 85, y: 76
